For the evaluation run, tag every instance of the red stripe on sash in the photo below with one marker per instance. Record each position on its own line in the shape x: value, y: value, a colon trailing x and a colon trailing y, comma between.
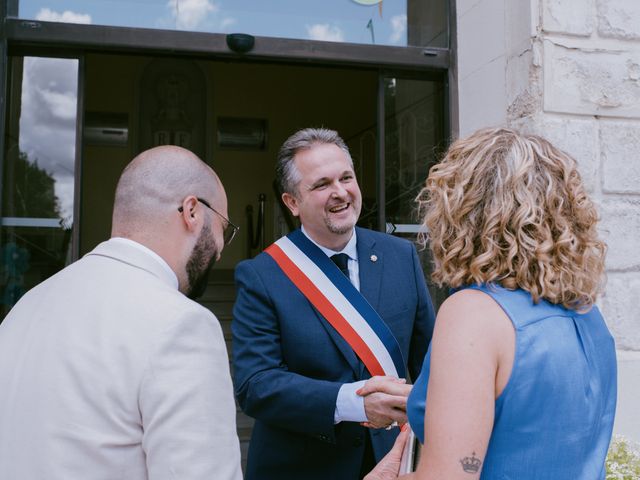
x: 328, y: 311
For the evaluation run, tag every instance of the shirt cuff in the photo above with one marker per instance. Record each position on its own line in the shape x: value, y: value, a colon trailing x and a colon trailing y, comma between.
x: 350, y: 405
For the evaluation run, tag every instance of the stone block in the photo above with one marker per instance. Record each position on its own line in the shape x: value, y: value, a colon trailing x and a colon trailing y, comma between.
x: 620, y: 144
x: 523, y: 86
x: 619, y: 19
x: 463, y: 6
x: 620, y: 228
x: 576, y: 136
x: 572, y: 17
x: 482, y: 98
x: 627, y: 419
x: 521, y: 25
x: 481, y: 36
x: 591, y: 81
x: 619, y: 308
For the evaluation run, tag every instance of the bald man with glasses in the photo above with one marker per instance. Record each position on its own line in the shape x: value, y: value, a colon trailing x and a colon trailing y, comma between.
x: 107, y: 369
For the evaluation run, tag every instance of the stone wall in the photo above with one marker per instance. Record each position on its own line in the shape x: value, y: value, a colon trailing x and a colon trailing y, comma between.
x: 570, y: 71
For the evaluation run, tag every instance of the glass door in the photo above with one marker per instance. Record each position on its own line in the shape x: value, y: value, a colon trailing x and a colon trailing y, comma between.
x: 413, y: 134
x: 38, y: 182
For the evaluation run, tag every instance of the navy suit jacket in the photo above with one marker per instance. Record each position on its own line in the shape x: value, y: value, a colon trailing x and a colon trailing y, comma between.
x: 289, y: 362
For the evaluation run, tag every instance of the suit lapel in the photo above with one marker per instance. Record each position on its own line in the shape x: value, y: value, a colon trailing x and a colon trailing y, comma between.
x: 346, y: 350
x: 370, y: 263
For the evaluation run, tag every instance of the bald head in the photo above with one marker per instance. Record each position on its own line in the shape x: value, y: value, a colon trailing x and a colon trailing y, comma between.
x: 154, y: 184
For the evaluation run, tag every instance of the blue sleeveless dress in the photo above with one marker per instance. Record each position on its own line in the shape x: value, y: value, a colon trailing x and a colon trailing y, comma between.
x: 555, y: 416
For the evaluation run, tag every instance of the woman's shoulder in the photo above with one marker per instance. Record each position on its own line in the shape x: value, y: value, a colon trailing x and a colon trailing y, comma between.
x: 471, y: 302
x: 472, y: 312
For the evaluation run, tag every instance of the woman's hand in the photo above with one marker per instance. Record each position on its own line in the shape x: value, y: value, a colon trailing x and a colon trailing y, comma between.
x: 389, y: 467
x: 385, y: 401
x: 385, y: 384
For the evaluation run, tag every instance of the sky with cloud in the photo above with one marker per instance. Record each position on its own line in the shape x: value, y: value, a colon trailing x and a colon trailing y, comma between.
x: 48, y: 121
x: 355, y: 21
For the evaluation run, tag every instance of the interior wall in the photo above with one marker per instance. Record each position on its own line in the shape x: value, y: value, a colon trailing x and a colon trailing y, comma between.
x: 110, y: 87
x: 288, y: 97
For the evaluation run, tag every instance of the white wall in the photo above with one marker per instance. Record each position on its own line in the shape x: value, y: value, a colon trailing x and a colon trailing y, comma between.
x: 570, y: 71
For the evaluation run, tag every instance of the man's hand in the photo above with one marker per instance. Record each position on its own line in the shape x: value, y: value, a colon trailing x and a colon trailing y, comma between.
x: 385, y: 401
x: 389, y: 467
x: 386, y: 384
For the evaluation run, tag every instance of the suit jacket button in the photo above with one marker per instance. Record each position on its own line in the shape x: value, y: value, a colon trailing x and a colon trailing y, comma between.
x: 323, y: 437
x: 357, y: 442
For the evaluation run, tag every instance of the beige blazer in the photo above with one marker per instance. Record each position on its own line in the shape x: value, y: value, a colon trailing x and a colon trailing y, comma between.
x: 108, y: 372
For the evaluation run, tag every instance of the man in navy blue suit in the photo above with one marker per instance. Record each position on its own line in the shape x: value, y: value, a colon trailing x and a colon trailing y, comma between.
x: 296, y: 372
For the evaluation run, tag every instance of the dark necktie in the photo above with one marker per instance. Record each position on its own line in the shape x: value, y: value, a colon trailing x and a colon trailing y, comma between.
x: 342, y: 261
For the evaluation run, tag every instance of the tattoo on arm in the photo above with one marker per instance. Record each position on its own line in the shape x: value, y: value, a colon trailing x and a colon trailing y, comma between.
x: 471, y: 464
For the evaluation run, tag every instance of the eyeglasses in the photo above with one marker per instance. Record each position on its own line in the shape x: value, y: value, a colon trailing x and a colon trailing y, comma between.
x: 230, y: 229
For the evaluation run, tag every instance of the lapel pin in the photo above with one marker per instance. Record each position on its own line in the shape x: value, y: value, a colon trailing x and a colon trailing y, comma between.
x: 374, y: 258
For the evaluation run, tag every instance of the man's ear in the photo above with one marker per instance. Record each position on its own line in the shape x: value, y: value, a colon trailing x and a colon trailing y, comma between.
x: 291, y: 202
x: 189, y: 214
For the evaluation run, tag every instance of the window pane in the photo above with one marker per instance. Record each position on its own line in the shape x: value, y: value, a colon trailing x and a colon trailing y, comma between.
x: 381, y: 22
x: 414, y: 135
x: 38, y: 173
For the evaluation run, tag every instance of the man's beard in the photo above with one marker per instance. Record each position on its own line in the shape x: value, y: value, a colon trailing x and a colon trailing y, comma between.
x: 338, y: 229
x: 202, y: 259
x: 341, y: 229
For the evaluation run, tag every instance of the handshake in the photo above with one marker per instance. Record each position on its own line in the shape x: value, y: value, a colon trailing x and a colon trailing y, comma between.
x: 385, y: 401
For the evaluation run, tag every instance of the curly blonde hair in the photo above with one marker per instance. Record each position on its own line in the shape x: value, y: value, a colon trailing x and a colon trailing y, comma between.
x: 511, y: 209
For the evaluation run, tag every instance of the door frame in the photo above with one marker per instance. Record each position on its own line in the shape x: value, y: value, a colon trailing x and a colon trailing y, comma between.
x: 53, y: 39
x: 55, y: 36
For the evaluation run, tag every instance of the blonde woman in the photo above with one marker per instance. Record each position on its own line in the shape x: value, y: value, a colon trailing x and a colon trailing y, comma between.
x: 520, y: 378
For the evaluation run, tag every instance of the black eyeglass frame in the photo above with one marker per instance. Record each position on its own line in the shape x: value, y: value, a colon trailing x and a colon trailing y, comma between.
x: 229, y: 227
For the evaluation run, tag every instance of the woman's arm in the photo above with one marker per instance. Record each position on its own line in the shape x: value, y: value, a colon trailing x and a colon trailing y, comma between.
x: 471, y: 358
x: 472, y: 355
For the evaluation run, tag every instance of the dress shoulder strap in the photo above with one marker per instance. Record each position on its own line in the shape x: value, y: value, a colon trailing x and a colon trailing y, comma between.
x: 519, y: 306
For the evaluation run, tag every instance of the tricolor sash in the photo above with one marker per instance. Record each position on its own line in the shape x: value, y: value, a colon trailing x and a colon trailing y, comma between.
x: 339, y: 302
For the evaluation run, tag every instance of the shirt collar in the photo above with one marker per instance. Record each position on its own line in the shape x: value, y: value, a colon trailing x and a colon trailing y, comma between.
x: 350, y: 248
x: 150, y: 253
